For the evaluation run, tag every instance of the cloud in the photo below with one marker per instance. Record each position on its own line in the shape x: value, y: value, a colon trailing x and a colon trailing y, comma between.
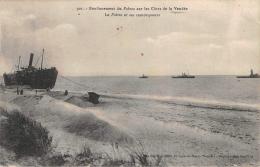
x: 21, y: 35
x: 211, y: 38
x: 215, y: 46
x: 182, y: 37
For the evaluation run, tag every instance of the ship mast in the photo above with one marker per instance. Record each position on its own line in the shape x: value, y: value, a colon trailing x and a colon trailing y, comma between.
x: 19, y: 63
x: 42, y: 57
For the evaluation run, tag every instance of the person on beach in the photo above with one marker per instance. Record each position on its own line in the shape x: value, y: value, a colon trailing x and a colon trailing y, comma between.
x: 21, y: 92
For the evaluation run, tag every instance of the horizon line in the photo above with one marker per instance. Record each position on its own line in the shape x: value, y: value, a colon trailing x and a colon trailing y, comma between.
x: 146, y: 75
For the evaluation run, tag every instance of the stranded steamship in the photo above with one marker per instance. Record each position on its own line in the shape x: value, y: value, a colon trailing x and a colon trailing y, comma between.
x: 36, y: 78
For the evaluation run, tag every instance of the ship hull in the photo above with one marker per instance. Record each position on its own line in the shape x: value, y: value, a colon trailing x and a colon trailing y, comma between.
x: 36, y: 79
x: 183, y: 77
x: 10, y: 79
x: 248, y: 77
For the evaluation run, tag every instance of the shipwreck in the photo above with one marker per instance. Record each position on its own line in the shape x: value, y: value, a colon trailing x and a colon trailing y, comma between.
x: 36, y: 78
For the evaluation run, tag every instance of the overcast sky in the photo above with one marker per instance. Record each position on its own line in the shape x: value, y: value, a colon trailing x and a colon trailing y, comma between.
x: 212, y: 37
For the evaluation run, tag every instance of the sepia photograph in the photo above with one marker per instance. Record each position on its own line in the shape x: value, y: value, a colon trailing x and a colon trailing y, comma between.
x: 130, y: 83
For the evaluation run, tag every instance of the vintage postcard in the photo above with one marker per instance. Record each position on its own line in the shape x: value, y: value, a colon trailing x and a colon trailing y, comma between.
x: 129, y: 83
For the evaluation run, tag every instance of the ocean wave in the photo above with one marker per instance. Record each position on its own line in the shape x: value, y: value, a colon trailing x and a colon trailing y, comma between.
x: 191, y: 102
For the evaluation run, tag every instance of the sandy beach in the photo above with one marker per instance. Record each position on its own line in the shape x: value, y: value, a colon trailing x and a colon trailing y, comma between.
x: 183, y: 137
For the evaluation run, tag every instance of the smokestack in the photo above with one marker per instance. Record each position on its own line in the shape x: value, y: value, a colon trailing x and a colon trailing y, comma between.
x: 31, y: 60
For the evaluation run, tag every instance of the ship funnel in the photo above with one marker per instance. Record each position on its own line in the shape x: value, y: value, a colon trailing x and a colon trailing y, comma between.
x: 31, y: 60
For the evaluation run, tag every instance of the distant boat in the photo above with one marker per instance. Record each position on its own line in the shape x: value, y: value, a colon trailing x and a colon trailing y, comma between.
x: 143, y: 76
x: 183, y: 75
x: 252, y: 75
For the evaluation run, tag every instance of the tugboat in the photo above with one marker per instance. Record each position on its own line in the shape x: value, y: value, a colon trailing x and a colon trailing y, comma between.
x: 252, y: 75
x: 184, y: 75
x: 36, y: 78
x: 143, y: 76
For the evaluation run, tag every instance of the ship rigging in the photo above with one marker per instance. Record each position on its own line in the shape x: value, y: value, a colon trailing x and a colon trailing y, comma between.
x: 36, y: 78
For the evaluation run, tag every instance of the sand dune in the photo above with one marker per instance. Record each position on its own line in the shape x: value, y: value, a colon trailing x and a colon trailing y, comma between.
x: 71, y: 126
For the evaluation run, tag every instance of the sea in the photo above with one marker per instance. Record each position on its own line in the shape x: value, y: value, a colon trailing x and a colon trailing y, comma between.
x: 207, y: 89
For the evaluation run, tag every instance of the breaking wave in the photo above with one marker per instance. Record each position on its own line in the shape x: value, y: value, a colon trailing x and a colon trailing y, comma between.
x: 191, y: 102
